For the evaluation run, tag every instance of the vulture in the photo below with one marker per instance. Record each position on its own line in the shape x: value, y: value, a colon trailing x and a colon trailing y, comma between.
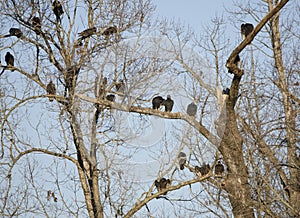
x: 110, y: 97
x: 203, y: 170
x: 51, y: 90
x: 162, y: 184
x: 109, y: 31
x: 246, y: 29
x: 191, y: 109
x: 219, y: 169
x: 181, y: 160
x: 168, y: 103
x: 57, y: 9
x: 36, y: 23
x: 87, y: 33
x: 9, y: 59
x: 226, y: 91
x: 157, y: 102
x: 15, y: 32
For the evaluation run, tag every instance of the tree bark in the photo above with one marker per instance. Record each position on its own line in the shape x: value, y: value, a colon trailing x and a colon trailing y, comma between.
x: 231, y: 148
x: 293, y: 183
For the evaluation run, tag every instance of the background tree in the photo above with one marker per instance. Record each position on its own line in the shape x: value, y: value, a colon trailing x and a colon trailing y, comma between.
x: 86, y: 154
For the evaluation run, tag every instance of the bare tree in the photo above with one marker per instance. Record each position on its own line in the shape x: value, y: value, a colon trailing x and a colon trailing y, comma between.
x: 83, y: 154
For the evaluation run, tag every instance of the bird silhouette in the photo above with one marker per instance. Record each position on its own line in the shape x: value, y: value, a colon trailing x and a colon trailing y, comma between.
x: 162, y: 184
x: 14, y: 32
x: 109, y: 31
x: 87, y: 33
x: 51, y: 90
x: 157, y: 102
x: 57, y: 10
x: 9, y: 59
x: 219, y: 169
x: 168, y: 103
x: 226, y: 91
x: 203, y: 170
x: 37, y: 25
x: 246, y: 29
x: 110, y: 97
x: 191, y: 109
x: 181, y: 160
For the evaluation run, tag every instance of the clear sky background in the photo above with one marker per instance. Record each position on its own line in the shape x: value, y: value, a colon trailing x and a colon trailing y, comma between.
x: 196, y: 13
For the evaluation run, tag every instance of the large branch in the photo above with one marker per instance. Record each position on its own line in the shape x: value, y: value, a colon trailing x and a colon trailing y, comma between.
x: 139, y: 205
x: 149, y: 111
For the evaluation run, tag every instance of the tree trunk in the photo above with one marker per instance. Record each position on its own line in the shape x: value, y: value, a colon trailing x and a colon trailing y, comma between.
x: 236, y: 183
x: 293, y: 183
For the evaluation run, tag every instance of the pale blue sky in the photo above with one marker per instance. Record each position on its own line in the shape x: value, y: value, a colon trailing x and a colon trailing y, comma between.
x: 195, y: 13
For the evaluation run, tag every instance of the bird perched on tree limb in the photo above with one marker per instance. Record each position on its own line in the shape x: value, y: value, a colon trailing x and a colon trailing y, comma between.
x: 219, y: 169
x: 51, y: 90
x: 246, y: 29
x: 14, y: 32
x: 37, y: 25
x: 226, y: 91
x: 157, y: 102
x: 168, y: 103
x: 162, y: 184
x: 181, y: 160
x: 57, y: 9
x: 110, y: 97
x: 109, y: 31
x: 191, y: 109
x: 9, y: 59
x: 203, y: 170
x: 87, y: 33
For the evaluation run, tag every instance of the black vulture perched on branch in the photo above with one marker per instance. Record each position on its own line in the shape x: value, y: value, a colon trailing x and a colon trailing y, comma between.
x: 191, y: 109
x: 168, y: 103
x: 87, y: 33
x: 181, y: 160
x: 51, y: 90
x: 14, y: 32
x: 9, y: 59
x: 219, y: 169
x: 157, y: 102
x: 109, y: 31
x: 226, y: 91
x: 111, y: 97
x: 246, y: 29
x: 57, y: 9
x: 37, y: 24
x: 203, y: 170
x: 162, y: 184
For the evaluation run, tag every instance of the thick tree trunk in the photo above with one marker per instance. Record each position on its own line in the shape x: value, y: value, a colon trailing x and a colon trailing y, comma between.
x: 293, y: 183
x: 236, y: 183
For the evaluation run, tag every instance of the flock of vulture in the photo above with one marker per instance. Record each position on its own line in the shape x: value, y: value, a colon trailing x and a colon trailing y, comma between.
x: 36, y: 24
x: 163, y: 183
x: 157, y: 102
